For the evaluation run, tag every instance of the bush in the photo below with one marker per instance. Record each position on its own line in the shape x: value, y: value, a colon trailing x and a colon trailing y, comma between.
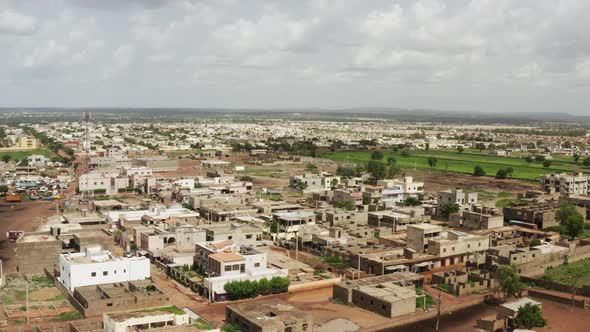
x: 237, y: 290
x: 478, y: 171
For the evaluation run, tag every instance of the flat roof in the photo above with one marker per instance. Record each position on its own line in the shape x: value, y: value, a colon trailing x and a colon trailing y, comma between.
x: 226, y: 257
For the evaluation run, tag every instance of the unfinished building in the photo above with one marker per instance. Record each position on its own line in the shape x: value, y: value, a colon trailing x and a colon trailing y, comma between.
x: 268, y: 316
x: 461, y: 282
x: 96, y: 300
x: 477, y: 218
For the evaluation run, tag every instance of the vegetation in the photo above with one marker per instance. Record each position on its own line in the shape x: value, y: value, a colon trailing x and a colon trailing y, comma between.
x: 572, y: 220
x: 478, y: 171
x: 377, y: 155
x: 21, y: 155
x: 171, y: 309
x: 529, y: 316
x: 230, y: 328
x: 411, y: 201
x: 203, y: 325
x: 65, y: 316
x: 566, y: 273
x: 509, y: 281
x: 237, y: 290
x: 444, y: 287
x: 425, y: 302
x: 463, y: 162
x: 346, y: 205
x: 449, y: 208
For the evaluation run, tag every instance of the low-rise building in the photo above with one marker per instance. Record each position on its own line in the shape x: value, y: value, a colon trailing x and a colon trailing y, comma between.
x: 268, y: 316
x: 565, y: 184
x: 96, y: 266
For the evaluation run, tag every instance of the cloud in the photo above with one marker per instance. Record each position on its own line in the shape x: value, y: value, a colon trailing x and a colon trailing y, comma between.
x: 12, y: 22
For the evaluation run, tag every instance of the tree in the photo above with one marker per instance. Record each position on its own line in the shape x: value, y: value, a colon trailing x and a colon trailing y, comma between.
x: 478, y: 171
x: 586, y: 161
x: 300, y: 186
x: 529, y: 316
x: 246, y: 178
x: 539, y: 158
x: 529, y: 159
x: 501, y: 174
x: 411, y: 201
x: 333, y: 183
x: 569, y: 217
x: 535, y: 242
x: 347, y: 172
x: 480, y: 146
x: 346, y: 205
x: 577, y: 157
x: 449, y: 208
x: 427, y: 146
x: 6, y: 158
x: 460, y: 149
x: 574, y: 225
x: 432, y: 161
x: 377, y: 169
x: 391, y: 161
x: 546, y: 163
x: 406, y: 153
x: 311, y: 167
x: 3, y: 189
x: 509, y: 280
x: 377, y: 155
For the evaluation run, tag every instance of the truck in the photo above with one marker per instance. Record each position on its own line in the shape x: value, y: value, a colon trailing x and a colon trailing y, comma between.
x: 13, y: 198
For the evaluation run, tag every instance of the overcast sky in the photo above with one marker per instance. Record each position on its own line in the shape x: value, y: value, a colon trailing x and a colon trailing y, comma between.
x: 488, y: 55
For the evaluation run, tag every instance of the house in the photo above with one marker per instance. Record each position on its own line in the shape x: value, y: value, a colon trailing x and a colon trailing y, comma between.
x: 268, y: 316
x: 455, y: 196
x: 565, y: 184
x: 95, y: 266
x: 243, y: 263
x: 37, y: 160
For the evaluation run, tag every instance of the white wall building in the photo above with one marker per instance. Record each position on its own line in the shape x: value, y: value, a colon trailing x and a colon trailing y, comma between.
x: 143, y: 320
x: 96, y: 266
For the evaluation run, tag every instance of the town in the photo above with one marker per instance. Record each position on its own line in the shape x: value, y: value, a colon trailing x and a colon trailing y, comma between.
x: 281, y: 224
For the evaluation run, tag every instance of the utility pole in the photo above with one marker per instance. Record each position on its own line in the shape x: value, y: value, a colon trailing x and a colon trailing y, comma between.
x: 438, y: 310
x: 27, y: 300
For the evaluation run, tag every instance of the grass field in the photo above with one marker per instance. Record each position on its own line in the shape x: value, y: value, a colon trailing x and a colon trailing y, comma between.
x: 556, y: 274
x: 20, y: 155
x: 453, y: 161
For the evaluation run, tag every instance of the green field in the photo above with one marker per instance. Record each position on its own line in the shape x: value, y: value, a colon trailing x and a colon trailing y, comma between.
x: 556, y: 274
x: 20, y: 155
x: 453, y: 161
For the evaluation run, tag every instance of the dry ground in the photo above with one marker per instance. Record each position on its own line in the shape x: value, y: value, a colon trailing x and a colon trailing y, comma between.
x: 25, y: 216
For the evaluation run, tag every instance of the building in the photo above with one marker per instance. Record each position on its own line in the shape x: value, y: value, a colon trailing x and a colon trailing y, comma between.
x: 565, y: 184
x: 398, y: 219
x: 289, y: 223
x: 239, y: 264
x: 26, y: 143
x: 418, y: 236
x: 268, y: 316
x: 96, y: 266
x: 143, y: 320
x: 37, y: 160
x: 477, y: 218
x: 156, y: 163
x: 458, y: 247
x: 313, y: 182
x: 455, y: 196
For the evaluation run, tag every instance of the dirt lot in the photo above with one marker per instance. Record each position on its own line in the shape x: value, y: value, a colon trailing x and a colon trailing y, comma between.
x: 435, y: 181
x: 559, y: 318
x: 24, y: 216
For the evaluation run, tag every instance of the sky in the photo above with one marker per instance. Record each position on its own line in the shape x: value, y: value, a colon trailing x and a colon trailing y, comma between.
x: 480, y: 55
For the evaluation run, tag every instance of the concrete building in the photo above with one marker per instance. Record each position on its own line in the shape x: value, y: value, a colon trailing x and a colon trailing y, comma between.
x: 313, y: 182
x: 457, y: 246
x: 242, y: 233
x: 388, y: 299
x: 96, y: 266
x: 398, y: 219
x: 170, y: 234
x: 477, y: 218
x: 156, y: 163
x: 143, y: 320
x: 268, y: 316
x: 565, y: 184
x: 289, y: 223
x: 455, y: 196
x: 37, y: 160
x: 245, y: 263
x: 418, y: 236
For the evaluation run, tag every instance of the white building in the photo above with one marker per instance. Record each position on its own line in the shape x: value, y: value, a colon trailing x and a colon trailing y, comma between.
x: 96, y: 266
x: 240, y: 264
x: 37, y: 160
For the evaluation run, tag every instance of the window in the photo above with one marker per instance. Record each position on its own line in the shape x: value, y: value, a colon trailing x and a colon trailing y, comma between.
x: 227, y: 268
x: 105, y: 273
x: 256, y: 264
x: 236, y: 267
x: 230, y: 237
x: 124, y: 270
x: 93, y: 274
x: 248, y: 236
